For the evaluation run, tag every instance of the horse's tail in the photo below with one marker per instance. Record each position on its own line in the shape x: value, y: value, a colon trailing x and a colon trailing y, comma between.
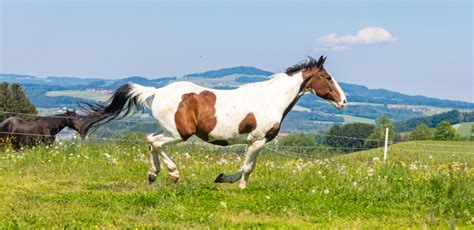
x: 123, y: 102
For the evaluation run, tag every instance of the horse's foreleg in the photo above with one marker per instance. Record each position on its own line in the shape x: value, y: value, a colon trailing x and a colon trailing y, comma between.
x: 157, y: 143
x: 250, y: 161
x: 247, y: 168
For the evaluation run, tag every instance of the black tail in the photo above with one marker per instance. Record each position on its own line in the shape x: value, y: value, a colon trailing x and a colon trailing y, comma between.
x: 123, y: 102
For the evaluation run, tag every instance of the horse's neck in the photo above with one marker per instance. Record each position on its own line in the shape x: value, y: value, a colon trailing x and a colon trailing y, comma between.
x: 55, y: 126
x: 286, y: 87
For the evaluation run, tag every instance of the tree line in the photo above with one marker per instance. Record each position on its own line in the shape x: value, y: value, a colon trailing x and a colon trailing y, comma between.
x: 13, y: 100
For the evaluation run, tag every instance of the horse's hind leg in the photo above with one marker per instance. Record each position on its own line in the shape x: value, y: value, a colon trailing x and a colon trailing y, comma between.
x: 157, y: 143
x: 155, y: 165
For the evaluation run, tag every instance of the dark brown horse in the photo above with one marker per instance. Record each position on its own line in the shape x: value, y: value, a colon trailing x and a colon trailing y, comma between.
x: 42, y: 130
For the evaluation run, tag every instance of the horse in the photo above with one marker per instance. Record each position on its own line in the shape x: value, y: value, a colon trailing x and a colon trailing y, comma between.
x: 251, y: 114
x: 41, y: 130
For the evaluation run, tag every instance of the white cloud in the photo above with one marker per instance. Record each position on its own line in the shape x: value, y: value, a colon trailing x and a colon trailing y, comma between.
x: 365, y: 36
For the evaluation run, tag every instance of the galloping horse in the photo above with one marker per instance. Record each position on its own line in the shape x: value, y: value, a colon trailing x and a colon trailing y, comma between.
x: 251, y: 114
x: 40, y: 130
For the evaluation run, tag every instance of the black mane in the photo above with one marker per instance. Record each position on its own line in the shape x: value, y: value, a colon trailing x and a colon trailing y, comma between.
x: 308, y: 64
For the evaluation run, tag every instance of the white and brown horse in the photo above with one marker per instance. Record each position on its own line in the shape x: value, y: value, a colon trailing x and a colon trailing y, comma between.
x: 251, y: 114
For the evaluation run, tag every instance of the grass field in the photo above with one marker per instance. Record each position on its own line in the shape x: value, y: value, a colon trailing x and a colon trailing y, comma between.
x: 464, y: 129
x: 79, y: 94
x: 423, y: 184
x: 353, y: 119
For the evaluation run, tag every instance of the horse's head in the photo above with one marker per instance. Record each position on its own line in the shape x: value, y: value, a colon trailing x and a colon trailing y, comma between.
x: 320, y: 82
x: 73, y: 121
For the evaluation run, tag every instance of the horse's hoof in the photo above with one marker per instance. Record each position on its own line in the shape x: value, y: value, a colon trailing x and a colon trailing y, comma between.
x: 220, y: 178
x: 151, y: 178
x: 174, y: 179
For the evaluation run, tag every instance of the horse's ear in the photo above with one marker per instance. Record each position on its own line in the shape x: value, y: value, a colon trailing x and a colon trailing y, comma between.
x: 321, y: 61
x: 67, y: 110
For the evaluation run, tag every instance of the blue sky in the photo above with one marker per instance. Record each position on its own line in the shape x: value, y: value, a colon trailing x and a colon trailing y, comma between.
x: 415, y: 47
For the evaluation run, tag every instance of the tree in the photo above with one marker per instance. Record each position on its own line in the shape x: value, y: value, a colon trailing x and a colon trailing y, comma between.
x: 300, y: 142
x: 444, y: 131
x: 350, y: 137
x: 22, y: 103
x: 377, y: 137
x: 13, y: 100
x: 422, y: 132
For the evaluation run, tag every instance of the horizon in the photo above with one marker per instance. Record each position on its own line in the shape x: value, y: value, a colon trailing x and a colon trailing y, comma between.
x: 366, y: 43
x: 182, y: 76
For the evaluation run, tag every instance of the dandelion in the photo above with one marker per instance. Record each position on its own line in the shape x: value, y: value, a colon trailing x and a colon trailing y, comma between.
x: 326, y: 191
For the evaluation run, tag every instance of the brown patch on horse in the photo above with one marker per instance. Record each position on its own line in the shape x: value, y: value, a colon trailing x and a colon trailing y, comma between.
x: 248, y: 124
x: 196, y: 114
x: 272, y: 132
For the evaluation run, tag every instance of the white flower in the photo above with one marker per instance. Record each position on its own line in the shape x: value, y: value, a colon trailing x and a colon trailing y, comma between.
x: 354, y: 183
x: 224, y: 205
x: 370, y: 172
x: 319, y: 172
x: 326, y: 191
x: 268, y: 197
x: 313, y: 191
x: 413, y: 166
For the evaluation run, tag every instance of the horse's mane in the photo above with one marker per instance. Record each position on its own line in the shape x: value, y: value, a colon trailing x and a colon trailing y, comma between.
x: 308, y: 63
x: 49, y: 117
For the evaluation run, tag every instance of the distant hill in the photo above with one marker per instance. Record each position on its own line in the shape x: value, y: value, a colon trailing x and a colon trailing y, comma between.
x: 244, y: 70
x: 359, y: 93
x: 453, y: 116
x: 228, y: 78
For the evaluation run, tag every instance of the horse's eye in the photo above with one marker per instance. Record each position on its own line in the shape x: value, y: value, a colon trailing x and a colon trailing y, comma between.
x: 328, y: 77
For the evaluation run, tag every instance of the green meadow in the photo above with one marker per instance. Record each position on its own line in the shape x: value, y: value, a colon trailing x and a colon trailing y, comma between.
x: 86, y: 184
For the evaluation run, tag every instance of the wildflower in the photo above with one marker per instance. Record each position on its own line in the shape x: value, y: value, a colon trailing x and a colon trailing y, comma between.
x: 313, y: 191
x: 326, y: 191
x: 224, y: 205
x: 354, y: 183
x: 413, y: 166
x: 319, y: 172
x: 431, y: 157
x: 370, y: 172
x: 268, y: 197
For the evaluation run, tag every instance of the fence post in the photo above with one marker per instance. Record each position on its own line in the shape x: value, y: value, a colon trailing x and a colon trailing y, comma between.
x: 386, y: 144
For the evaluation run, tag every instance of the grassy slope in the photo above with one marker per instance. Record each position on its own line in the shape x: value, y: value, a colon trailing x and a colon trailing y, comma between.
x: 79, y: 94
x: 105, y: 185
x: 353, y: 119
x: 464, y: 129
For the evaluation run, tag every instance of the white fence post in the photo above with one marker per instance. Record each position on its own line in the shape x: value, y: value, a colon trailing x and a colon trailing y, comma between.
x: 386, y: 144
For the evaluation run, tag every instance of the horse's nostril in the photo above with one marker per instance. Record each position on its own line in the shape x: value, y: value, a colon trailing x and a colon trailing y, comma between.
x: 345, y: 101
